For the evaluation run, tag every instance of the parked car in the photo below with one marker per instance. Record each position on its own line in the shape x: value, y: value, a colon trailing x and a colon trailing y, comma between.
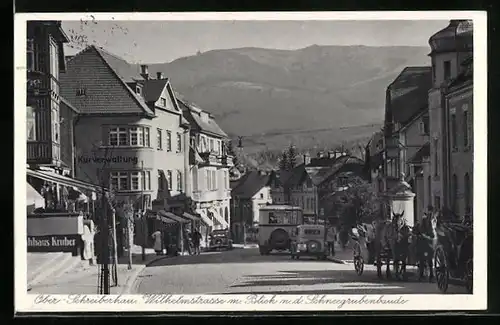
x: 220, y: 239
x: 309, y: 240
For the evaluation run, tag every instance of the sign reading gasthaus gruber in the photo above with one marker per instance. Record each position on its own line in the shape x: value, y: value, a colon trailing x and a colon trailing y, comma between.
x: 54, y: 243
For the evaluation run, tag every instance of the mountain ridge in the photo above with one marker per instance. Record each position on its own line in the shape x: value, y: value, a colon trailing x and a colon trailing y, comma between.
x: 257, y: 92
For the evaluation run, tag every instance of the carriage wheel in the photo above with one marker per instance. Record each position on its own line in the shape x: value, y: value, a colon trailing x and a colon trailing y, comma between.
x: 358, y: 259
x: 468, y: 276
x: 441, y: 269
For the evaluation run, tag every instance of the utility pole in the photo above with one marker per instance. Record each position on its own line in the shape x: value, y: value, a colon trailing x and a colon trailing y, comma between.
x: 115, y: 249
x: 105, y: 289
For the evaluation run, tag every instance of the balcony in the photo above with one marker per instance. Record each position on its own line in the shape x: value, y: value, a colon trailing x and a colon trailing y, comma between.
x: 208, y: 196
x: 211, y: 158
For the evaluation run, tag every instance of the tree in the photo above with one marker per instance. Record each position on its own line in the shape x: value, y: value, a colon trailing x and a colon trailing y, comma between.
x: 283, y: 161
x: 292, y: 157
x: 358, y: 203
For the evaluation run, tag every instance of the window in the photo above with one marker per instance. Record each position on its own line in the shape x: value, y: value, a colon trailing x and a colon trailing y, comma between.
x: 169, y: 179
x: 147, y: 142
x: 429, y: 191
x: 81, y: 92
x: 54, y: 60
x: 424, y: 126
x: 169, y: 141
x: 135, y: 181
x: 195, y: 179
x: 146, y: 180
x: 119, y: 181
x: 433, y: 72
x: 465, y: 126
x: 158, y: 139
x: 136, y: 136
x: 179, y: 142
x: 31, y: 62
x: 437, y: 202
x: 179, y: 180
x: 161, y: 185
x: 209, y: 180
x: 138, y: 90
x: 446, y: 70
x: 453, y: 121
x: 55, y: 121
x: 211, y: 146
x: 262, y: 195
x: 467, y: 193
x: 117, y: 136
x: 226, y: 185
x: 454, y: 193
x: 31, y: 123
x: 163, y: 102
x: 214, y: 180
x: 436, y: 157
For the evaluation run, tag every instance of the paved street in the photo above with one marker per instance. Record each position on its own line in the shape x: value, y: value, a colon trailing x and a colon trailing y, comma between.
x: 245, y: 271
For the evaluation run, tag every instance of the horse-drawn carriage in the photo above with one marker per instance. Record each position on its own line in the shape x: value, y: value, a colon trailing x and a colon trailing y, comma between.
x: 453, y: 257
x: 443, y: 246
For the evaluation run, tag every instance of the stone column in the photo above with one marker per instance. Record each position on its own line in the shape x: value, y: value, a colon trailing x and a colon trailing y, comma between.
x: 402, y: 199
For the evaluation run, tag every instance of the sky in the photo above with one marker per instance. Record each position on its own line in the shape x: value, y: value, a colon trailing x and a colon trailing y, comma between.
x: 165, y: 41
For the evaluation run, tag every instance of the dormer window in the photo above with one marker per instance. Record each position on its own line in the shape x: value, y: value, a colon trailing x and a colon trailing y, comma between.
x: 138, y: 90
x: 81, y: 92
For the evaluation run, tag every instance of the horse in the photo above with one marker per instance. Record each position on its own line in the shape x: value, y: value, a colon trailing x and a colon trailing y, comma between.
x: 426, y: 243
x: 392, y: 237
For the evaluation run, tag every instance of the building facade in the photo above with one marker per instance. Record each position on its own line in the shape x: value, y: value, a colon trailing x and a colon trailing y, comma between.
x: 449, y: 48
x: 209, y: 167
x: 130, y: 134
x: 459, y: 104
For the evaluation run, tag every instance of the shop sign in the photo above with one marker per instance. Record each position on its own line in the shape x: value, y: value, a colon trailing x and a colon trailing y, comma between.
x: 53, y: 243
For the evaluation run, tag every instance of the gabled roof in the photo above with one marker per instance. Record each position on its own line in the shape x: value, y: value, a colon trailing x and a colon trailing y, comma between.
x: 297, y: 176
x: 193, y: 116
x: 153, y: 88
x: 409, y: 93
x: 250, y: 184
x: 124, y: 72
x: 281, y: 176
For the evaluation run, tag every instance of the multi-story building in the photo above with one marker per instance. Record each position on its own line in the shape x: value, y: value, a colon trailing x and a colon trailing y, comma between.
x: 459, y: 103
x: 209, y: 167
x: 252, y: 192
x: 130, y: 134
x: 449, y: 48
x: 407, y: 130
x: 52, y: 192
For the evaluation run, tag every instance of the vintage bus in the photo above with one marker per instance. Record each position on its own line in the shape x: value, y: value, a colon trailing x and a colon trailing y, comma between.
x: 276, y: 225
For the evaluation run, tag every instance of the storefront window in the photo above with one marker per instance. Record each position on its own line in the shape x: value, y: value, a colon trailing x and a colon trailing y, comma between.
x: 31, y: 123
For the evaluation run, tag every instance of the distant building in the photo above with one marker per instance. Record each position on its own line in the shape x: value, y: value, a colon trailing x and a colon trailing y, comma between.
x: 248, y: 196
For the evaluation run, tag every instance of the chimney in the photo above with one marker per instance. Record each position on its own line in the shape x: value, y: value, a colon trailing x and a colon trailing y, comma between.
x: 307, y: 159
x: 159, y: 75
x: 336, y: 154
x: 331, y: 155
x: 144, y: 71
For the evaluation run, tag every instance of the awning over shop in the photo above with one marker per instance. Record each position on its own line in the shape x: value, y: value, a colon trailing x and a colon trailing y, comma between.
x: 33, y: 198
x: 172, y: 216
x: 164, y: 219
x: 63, y: 180
x: 191, y: 217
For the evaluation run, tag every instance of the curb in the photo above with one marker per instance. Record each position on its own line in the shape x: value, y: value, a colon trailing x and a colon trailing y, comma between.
x: 129, y: 283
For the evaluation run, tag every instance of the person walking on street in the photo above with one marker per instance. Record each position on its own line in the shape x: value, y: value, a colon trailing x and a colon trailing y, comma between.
x: 157, y: 242
x: 330, y: 240
x: 196, y: 238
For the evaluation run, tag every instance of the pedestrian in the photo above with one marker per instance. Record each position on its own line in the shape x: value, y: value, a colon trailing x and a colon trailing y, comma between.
x: 196, y: 237
x: 157, y: 242
x: 330, y: 240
